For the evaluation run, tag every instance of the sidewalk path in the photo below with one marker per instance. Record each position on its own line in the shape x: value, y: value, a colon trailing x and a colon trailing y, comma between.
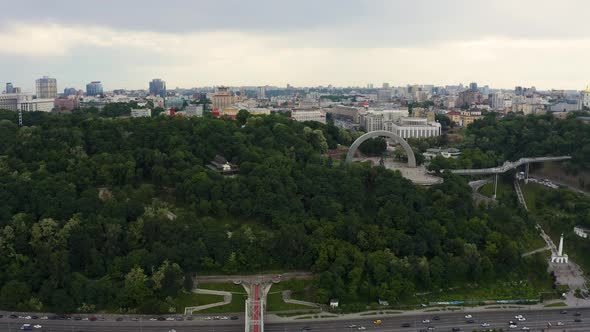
x: 226, y: 300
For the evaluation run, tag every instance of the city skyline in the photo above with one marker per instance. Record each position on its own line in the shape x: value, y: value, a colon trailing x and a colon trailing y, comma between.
x: 343, y: 43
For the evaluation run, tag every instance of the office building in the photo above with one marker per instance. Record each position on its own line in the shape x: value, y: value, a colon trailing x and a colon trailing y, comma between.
x: 193, y: 110
x: 158, y: 87
x: 94, y: 89
x: 222, y: 99
x: 384, y: 95
x: 414, y: 128
x: 473, y: 86
x: 25, y: 102
x: 46, y: 88
x: 66, y: 104
x: 141, y: 113
x: 308, y: 115
x: 9, y: 88
x: 385, y: 85
x: 70, y: 92
x: 261, y: 92
x: 373, y: 120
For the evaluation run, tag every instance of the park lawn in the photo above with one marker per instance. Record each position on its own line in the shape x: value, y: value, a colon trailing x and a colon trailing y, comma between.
x: 275, y: 298
x: 237, y: 303
x: 531, y: 191
x: 193, y: 300
x: 499, y: 291
x: 504, y: 188
x: 274, y: 302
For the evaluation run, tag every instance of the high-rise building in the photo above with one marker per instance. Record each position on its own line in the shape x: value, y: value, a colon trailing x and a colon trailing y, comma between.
x: 584, y: 99
x: 385, y: 85
x: 9, y: 88
x: 473, y: 86
x: 94, y: 88
x: 222, y: 98
x: 158, y: 87
x: 70, y: 92
x: 46, y: 88
x: 261, y: 92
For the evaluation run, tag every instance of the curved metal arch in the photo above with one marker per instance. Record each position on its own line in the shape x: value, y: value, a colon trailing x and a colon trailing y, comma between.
x: 382, y: 133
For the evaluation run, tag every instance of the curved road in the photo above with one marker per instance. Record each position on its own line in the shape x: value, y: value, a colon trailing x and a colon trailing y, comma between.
x: 536, y: 321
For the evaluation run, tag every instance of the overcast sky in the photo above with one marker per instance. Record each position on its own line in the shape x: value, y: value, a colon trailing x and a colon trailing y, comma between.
x: 189, y: 43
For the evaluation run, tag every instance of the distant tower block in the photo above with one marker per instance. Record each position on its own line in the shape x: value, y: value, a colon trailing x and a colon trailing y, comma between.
x: 560, y: 258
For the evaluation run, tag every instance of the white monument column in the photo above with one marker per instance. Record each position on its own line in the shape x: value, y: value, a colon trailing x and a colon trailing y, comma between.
x: 560, y: 251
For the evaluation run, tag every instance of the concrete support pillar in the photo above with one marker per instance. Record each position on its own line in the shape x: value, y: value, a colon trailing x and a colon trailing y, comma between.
x: 495, y: 185
x: 526, y: 174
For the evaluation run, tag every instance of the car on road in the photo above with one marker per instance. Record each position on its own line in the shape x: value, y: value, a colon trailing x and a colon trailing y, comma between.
x: 577, y: 314
x: 455, y: 329
x: 179, y: 318
x: 119, y: 319
x: 169, y: 318
x: 26, y: 327
x: 34, y: 317
x: 468, y: 316
x: 361, y: 328
x: 435, y: 318
x: 77, y: 318
x: 351, y: 326
x: 224, y: 318
x: 306, y: 328
x: 44, y: 318
x: 406, y: 325
x: 134, y: 319
x: 431, y: 328
x: 93, y: 319
x: 191, y: 317
x: 577, y: 320
x: 471, y: 321
x: 153, y: 319
x: 512, y: 326
x: 233, y: 317
x: 563, y: 312
x: 524, y: 328
x: 426, y: 321
x: 208, y: 318
x: 161, y: 319
x: 377, y: 322
x: 485, y: 324
x: 37, y: 326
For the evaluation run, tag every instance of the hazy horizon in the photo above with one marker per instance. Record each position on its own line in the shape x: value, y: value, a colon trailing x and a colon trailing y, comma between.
x: 344, y: 43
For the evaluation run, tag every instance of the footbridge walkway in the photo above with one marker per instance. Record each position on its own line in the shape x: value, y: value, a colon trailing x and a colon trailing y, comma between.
x: 508, y: 165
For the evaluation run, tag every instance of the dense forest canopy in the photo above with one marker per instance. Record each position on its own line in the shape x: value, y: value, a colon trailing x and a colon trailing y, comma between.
x: 117, y: 214
x: 491, y: 141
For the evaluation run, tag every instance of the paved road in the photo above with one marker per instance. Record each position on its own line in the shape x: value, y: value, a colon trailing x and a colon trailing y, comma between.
x: 536, y: 321
x: 253, y: 278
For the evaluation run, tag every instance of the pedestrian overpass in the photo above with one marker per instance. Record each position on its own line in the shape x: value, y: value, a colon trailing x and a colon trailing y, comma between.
x: 508, y: 165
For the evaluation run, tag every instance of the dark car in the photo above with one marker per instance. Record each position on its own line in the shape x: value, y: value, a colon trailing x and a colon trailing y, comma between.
x: 435, y: 318
x: 307, y: 328
x: 34, y: 317
x: 77, y: 318
x: 454, y: 329
x: 179, y: 318
x: 52, y: 317
x: 577, y: 320
x: 564, y: 312
x: 161, y: 318
x: 234, y: 318
x: 577, y: 314
x: 406, y: 325
x: 92, y: 319
x: 471, y: 321
x: 119, y: 319
x: 13, y: 316
x: 190, y: 318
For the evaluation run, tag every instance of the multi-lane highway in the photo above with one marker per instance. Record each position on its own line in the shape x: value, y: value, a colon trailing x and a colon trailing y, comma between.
x: 536, y: 320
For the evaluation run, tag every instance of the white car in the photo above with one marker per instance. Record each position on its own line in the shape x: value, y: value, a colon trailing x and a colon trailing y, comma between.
x: 485, y: 324
x: 426, y: 321
x: 468, y: 316
x: 28, y: 317
x: 560, y: 324
x: 44, y: 318
x: 169, y: 318
x: 224, y: 318
x: 37, y: 326
x: 521, y: 319
x: 524, y: 328
x: 208, y: 318
x: 361, y: 328
x: 352, y: 326
x: 512, y: 326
